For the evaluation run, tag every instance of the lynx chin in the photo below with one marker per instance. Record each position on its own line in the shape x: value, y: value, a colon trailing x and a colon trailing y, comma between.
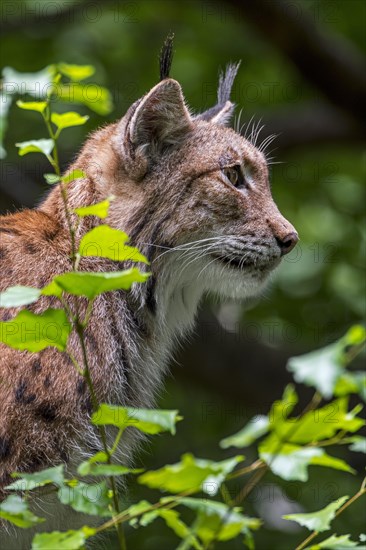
x: 194, y: 197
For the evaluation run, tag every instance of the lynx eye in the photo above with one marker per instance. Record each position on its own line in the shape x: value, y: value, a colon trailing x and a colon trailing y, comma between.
x: 235, y: 176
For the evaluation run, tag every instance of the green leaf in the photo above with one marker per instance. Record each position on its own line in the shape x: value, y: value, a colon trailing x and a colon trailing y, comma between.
x: 95, y: 97
x: 73, y: 175
x: 323, y: 368
x: 38, y: 106
x: 319, y: 424
x: 86, y: 468
x: 16, y: 296
x: 51, y: 179
x: 100, y: 209
x: 35, y: 84
x: 173, y: 521
x: 44, y: 146
x: 67, y: 120
x: 92, y: 499
x: 15, y: 510
x: 356, y: 336
x: 67, y: 540
x: 38, y: 479
x: 76, y: 72
x: 358, y: 445
x: 351, y: 382
x: 255, y: 428
x: 282, y: 408
x: 215, y: 520
x: 28, y: 331
x: 291, y: 462
x: 151, y: 421
x: 335, y: 542
x: 320, y: 369
x: 91, y: 284
x: 332, y: 462
x: 321, y: 520
x: 136, y: 510
x: 105, y: 242
x: 189, y: 474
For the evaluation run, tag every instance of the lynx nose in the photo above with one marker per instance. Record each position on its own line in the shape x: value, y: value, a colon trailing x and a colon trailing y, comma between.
x: 287, y: 243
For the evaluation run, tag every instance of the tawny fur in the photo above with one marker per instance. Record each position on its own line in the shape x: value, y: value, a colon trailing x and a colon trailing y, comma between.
x: 165, y: 169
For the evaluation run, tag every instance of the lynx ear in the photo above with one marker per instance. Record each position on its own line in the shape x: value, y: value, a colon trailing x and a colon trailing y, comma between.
x: 154, y: 123
x: 222, y: 112
x: 161, y: 119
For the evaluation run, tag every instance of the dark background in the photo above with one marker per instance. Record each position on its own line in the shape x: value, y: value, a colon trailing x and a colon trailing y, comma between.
x: 303, y: 76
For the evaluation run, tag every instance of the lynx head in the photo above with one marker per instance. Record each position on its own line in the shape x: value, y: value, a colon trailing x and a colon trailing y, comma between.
x: 197, y: 194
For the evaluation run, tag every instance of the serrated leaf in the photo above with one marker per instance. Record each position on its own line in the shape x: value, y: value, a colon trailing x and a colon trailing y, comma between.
x: 67, y: 540
x: 68, y: 120
x: 92, y: 499
x: 100, y: 209
x: 44, y: 146
x: 76, y: 72
x: 335, y: 542
x: 27, y: 482
x: 28, y: 331
x: 73, y: 175
x: 16, y: 296
x: 105, y: 242
x: 51, y: 179
x: 319, y: 424
x: 190, y: 473
x: 319, y: 369
x: 95, y: 97
x: 291, y: 462
x: 323, y: 368
x: 91, y: 284
x: 151, y: 421
x: 15, y: 510
x: 255, y: 428
x: 320, y: 520
x: 38, y: 106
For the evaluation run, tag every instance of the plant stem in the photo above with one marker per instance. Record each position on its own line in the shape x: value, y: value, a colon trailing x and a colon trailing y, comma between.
x: 56, y: 164
x: 350, y: 501
x: 80, y: 332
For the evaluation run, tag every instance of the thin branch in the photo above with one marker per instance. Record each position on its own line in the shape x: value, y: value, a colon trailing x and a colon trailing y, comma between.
x: 353, y: 499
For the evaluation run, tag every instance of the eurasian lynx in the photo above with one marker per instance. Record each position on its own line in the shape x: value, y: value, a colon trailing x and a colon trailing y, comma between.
x: 194, y: 197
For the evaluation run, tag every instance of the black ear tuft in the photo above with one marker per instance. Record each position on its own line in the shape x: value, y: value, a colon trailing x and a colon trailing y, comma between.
x: 166, y: 57
x: 221, y: 113
x: 226, y: 82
